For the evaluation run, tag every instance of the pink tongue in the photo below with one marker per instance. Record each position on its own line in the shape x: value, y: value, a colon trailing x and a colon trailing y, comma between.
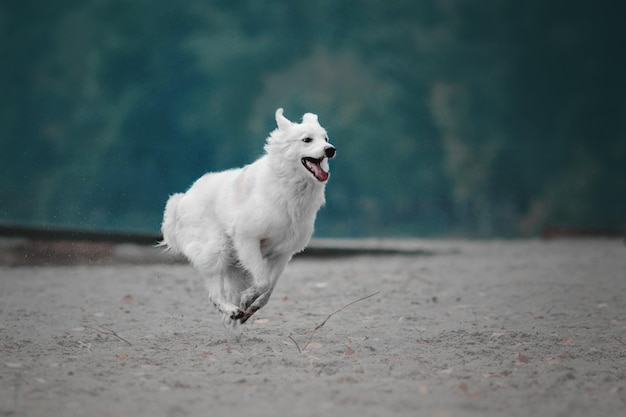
x: 320, y: 174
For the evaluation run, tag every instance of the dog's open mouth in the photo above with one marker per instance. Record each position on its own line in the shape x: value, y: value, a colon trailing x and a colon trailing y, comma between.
x: 315, y: 167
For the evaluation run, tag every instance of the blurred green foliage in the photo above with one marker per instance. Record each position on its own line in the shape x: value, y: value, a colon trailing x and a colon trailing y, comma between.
x: 451, y: 117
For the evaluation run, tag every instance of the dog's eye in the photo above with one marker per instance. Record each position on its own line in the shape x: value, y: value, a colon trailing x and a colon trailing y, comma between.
x: 326, y: 138
x: 307, y: 140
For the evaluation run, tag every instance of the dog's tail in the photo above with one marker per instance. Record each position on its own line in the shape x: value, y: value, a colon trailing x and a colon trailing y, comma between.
x: 168, y: 227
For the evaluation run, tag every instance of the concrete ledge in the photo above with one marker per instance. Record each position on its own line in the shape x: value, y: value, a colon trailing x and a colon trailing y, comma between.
x: 20, y: 246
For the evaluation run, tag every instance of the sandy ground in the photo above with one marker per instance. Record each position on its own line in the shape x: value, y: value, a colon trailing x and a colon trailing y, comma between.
x: 516, y: 328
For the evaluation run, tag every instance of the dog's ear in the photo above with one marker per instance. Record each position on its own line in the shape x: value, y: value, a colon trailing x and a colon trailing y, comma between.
x: 282, y: 121
x: 309, y: 118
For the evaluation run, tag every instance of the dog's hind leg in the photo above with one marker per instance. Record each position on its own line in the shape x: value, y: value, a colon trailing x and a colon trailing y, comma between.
x: 212, y: 256
x: 217, y: 276
x: 234, y: 282
x: 215, y: 287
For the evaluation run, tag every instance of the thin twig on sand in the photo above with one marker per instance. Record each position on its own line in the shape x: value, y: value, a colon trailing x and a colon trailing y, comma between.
x: 620, y: 340
x: 319, y: 326
x: 105, y: 330
x: 295, y: 343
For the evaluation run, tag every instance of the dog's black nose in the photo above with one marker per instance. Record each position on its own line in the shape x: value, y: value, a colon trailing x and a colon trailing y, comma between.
x: 330, y: 152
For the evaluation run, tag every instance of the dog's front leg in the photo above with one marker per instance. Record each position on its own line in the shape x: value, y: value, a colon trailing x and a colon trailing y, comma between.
x: 251, y: 259
x: 254, y: 299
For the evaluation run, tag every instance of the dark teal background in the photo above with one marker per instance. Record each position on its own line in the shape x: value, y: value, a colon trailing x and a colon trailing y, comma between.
x: 451, y: 117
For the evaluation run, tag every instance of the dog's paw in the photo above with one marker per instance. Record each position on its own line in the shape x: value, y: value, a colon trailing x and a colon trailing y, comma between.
x: 230, y: 311
x: 236, y: 315
x: 255, y: 305
x: 250, y: 297
x: 248, y: 314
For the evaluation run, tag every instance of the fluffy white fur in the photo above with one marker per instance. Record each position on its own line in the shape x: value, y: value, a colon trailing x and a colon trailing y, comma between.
x: 240, y: 227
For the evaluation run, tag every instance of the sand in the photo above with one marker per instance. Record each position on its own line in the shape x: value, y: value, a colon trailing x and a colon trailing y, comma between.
x: 516, y: 328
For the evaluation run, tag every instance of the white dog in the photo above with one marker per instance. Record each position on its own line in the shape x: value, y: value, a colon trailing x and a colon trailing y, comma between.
x: 240, y: 227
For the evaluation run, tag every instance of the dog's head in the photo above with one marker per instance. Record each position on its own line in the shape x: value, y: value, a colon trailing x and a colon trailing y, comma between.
x: 305, y: 143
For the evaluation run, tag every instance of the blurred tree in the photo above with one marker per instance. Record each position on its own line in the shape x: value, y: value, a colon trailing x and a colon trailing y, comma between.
x: 451, y: 117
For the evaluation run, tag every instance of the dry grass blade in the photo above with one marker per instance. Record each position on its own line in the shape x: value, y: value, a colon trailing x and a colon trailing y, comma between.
x: 620, y: 340
x: 108, y: 331
x: 319, y: 326
x: 295, y: 343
